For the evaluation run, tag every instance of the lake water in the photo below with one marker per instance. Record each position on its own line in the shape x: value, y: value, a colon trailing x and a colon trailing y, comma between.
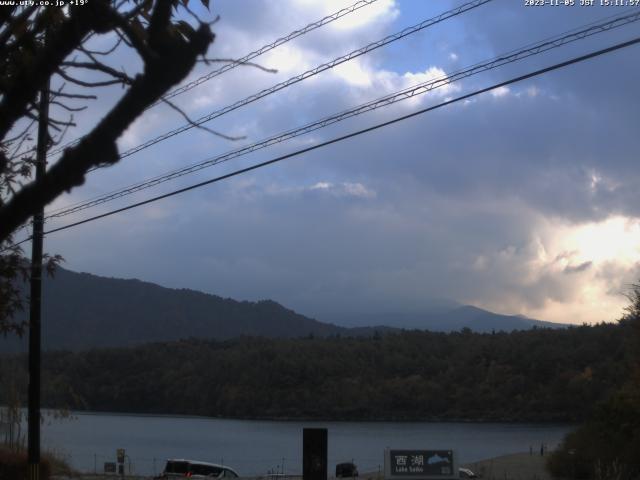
x: 256, y: 447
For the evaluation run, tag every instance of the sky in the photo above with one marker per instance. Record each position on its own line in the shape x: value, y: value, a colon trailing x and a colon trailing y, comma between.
x: 522, y: 200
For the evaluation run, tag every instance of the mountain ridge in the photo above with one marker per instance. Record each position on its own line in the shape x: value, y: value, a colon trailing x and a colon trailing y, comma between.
x: 456, y: 318
x: 84, y: 311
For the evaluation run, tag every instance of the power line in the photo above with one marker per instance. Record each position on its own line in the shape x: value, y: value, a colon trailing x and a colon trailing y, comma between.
x: 250, y: 56
x: 344, y: 137
x: 419, y: 89
x: 308, y: 74
x: 271, y: 46
x: 356, y: 133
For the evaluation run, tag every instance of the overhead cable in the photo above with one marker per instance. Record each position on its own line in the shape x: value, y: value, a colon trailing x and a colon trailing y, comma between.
x: 250, y: 56
x: 520, y: 78
x: 419, y: 89
x: 308, y: 74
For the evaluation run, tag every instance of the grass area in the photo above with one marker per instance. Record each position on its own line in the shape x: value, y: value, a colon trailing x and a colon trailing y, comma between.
x: 59, y: 466
x: 13, y: 465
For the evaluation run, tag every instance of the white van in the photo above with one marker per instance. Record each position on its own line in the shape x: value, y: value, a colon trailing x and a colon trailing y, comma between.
x: 181, y: 468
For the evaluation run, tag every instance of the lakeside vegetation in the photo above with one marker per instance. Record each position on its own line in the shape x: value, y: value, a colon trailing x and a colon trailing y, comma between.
x: 13, y: 464
x: 607, y: 445
x: 540, y: 375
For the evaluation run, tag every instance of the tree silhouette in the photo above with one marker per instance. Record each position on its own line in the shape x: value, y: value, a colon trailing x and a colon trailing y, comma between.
x: 42, y: 45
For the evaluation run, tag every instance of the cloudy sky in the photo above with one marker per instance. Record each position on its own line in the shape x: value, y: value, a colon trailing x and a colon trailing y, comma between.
x: 523, y: 200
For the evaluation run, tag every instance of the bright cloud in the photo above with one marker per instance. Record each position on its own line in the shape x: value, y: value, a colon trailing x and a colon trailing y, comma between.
x: 616, y: 239
x: 344, y: 189
x: 290, y: 59
x: 382, y: 10
x: 249, y: 190
x: 373, y: 83
x: 578, y: 272
x: 500, y: 92
x: 355, y: 73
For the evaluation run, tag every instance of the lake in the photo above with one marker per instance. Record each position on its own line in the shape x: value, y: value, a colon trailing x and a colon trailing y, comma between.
x: 251, y: 447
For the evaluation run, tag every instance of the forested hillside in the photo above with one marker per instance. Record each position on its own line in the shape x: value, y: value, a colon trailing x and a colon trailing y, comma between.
x: 536, y: 375
x: 83, y: 311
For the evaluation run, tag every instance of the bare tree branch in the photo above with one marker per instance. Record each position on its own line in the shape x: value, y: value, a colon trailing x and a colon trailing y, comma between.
x: 74, y: 95
x: 67, y: 107
x: 198, y: 126
x: 18, y: 20
x: 83, y: 83
x: 160, y: 47
x: 133, y: 39
x: 123, y: 38
x: 236, y: 62
x: 98, y: 66
x: 103, y: 53
x: 19, y: 135
x: 54, y: 142
x: 23, y: 153
x: 23, y: 87
x: 68, y: 123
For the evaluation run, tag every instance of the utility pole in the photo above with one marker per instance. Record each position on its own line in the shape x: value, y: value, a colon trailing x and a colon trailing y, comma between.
x: 36, y: 294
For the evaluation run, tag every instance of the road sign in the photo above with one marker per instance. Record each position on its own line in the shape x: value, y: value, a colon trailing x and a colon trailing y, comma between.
x: 419, y: 464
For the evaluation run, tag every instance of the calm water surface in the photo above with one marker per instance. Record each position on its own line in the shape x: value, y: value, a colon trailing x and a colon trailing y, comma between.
x: 256, y: 447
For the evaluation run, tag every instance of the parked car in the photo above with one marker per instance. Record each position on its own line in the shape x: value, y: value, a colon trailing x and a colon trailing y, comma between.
x: 466, y: 473
x: 180, y: 468
x: 346, y: 469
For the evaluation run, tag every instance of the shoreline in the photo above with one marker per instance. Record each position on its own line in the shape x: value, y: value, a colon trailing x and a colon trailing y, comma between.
x: 71, y: 413
x: 515, y: 466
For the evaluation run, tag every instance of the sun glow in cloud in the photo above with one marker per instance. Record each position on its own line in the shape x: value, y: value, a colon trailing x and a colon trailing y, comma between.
x: 567, y: 273
x: 616, y: 239
x: 589, y: 306
x: 598, y: 261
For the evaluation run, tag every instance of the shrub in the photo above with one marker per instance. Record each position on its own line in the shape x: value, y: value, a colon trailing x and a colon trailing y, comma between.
x: 606, y: 446
x: 13, y: 465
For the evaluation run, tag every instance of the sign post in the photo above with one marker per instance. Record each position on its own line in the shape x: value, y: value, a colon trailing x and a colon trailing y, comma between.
x: 120, y: 454
x: 420, y: 464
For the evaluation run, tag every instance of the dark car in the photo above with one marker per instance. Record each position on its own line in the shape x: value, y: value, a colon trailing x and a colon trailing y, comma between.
x: 346, y: 469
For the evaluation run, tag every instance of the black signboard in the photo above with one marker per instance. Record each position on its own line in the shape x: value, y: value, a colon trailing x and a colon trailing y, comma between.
x: 109, y: 467
x: 314, y: 454
x: 421, y: 463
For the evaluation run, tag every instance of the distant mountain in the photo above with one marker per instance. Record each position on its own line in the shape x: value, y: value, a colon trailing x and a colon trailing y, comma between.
x: 443, y: 319
x: 83, y: 311
x: 481, y: 320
